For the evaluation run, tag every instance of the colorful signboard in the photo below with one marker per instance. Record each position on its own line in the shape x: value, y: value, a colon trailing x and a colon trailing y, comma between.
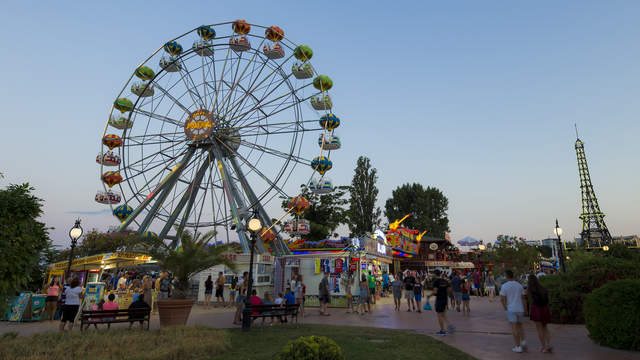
x: 38, y: 303
x: 19, y: 305
x: 94, y: 293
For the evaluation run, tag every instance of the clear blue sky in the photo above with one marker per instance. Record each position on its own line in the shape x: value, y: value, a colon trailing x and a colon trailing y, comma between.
x: 477, y: 98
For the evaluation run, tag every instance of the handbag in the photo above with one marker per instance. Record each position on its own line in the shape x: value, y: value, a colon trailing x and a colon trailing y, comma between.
x: 427, y: 306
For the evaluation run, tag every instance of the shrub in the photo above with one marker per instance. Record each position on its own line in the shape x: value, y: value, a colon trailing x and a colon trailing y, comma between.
x: 586, y: 273
x: 311, y: 348
x: 612, y: 314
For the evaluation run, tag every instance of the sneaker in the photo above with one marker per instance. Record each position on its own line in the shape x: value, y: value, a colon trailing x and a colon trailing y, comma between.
x: 441, y: 333
x: 451, y: 328
x: 523, y: 345
x: 517, y: 349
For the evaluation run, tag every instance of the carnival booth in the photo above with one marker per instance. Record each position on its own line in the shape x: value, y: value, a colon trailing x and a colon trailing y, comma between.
x: 263, y: 274
x: 344, y: 259
x: 90, y: 268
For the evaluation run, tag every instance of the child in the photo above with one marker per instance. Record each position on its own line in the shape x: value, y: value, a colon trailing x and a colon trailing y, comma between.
x: 347, y: 290
x: 465, y: 296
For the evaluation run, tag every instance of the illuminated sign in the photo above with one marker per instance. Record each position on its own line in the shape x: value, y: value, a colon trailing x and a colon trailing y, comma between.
x: 199, y: 125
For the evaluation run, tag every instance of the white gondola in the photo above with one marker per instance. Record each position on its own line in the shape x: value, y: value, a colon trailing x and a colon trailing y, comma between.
x: 170, y: 64
x: 321, y: 102
x: 108, y: 159
x: 274, y: 51
x: 119, y: 121
x: 329, y: 142
x: 239, y: 43
x: 302, y: 71
x: 297, y: 227
x: 142, y: 89
x: 203, y: 47
x: 322, y: 186
x: 108, y: 197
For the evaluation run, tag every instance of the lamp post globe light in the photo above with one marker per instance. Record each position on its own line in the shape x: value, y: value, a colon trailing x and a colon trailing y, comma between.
x: 74, y: 234
x: 558, y: 231
x: 254, y: 226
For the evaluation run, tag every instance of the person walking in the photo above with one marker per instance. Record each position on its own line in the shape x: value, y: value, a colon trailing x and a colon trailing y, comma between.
x: 417, y: 294
x: 441, y: 286
x: 348, y: 282
x: 465, y: 296
x: 396, y: 286
x: 73, y: 295
x: 208, y: 291
x: 511, y: 296
x: 220, y: 289
x: 476, y: 277
x: 233, y: 288
x: 385, y: 283
x: 51, y: 301
x: 300, y: 294
x: 372, y: 288
x: 408, y: 281
x: 363, y: 298
x: 147, y: 290
x: 491, y: 287
x: 540, y: 313
x: 456, y: 287
x: 323, y: 294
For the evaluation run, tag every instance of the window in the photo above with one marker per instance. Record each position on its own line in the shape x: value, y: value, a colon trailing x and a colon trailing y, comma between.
x: 265, y: 268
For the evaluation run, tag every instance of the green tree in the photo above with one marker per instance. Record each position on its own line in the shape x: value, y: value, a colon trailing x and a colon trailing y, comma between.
x: 195, y: 254
x: 326, y: 212
x: 428, y: 208
x: 515, y: 255
x: 363, y: 214
x: 24, y: 242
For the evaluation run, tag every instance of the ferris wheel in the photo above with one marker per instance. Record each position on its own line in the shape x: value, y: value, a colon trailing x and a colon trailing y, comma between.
x: 203, y: 137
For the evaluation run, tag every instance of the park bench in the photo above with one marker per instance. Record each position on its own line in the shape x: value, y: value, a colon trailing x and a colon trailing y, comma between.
x: 91, y: 317
x: 275, y: 311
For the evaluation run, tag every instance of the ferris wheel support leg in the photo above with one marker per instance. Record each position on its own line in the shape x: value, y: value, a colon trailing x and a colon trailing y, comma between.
x: 169, y: 181
x: 187, y: 199
x: 235, y: 202
x: 166, y: 189
x: 264, y: 217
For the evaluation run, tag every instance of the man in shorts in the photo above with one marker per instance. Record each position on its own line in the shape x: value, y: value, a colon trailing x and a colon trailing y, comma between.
x: 323, y: 294
x: 512, y: 297
x: 456, y: 286
x: 440, y: 287
x: 408, y: 281
x: 372, y: 287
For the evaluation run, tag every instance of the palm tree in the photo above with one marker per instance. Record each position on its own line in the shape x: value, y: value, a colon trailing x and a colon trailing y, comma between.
x: 195, y: 254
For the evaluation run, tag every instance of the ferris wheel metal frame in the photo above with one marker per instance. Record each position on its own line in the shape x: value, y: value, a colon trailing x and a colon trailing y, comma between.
x: 215, y: 131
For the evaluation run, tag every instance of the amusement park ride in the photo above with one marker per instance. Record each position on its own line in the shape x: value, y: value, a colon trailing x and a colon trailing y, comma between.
x: 204, y: 137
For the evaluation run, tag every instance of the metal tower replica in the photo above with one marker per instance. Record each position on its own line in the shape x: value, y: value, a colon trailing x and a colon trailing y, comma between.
x: 594, y: 231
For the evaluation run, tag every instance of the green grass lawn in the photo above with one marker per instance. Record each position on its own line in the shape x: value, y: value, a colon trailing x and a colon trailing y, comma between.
x: 356, y: 343
x: 199, y: 342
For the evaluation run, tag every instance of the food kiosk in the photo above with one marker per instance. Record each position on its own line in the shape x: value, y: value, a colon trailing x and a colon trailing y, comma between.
x: 345, y: 259
x: 263, y: 271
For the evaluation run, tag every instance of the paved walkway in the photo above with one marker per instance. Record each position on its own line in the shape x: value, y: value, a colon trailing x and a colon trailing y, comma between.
x: 485, y: 334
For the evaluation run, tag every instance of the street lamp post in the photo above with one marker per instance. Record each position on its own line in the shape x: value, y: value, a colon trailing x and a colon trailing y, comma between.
x: 558, y: 231
x: 74, y: 234
x: 254, y: 225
